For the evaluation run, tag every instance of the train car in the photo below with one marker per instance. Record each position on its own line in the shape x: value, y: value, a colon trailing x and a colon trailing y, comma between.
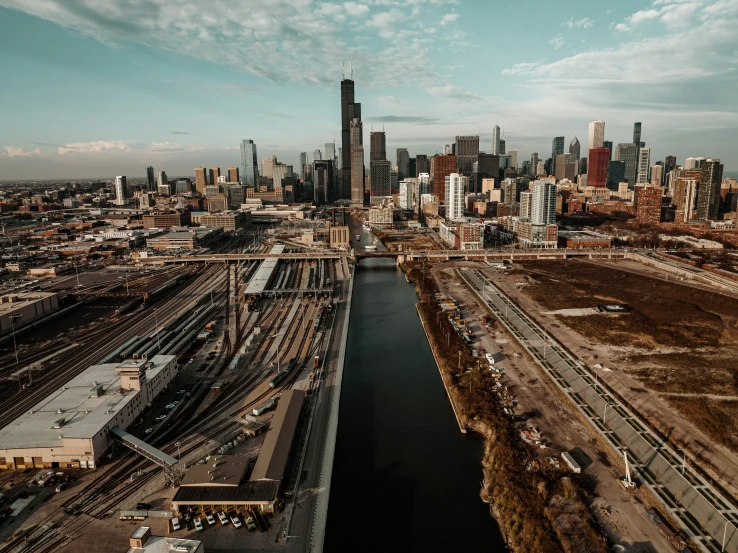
x: 316, y: 362
x: 330, y: 305
x: 318, y: 319
x: 281, y: 375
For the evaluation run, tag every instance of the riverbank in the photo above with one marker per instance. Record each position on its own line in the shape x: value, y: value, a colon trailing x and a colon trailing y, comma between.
x: 539, y: 508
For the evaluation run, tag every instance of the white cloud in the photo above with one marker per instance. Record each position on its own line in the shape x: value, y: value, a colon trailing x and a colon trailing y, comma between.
x: 584, y: 23
x: 449, y: 18
x: 96, y: 147
x: 356, y: 10
x: 20, y: 151
x: 524, y: 68
x: 557, y: 41
x: 672, y: 13
x: 455, y: 92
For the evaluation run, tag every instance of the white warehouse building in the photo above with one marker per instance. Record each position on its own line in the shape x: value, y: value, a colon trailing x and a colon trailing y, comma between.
x: 70, y: 427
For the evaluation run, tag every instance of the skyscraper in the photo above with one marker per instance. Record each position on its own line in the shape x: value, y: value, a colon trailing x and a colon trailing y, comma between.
x: 330, y: 151
x: 502, y: 146
x: 708, y: 192
x: 349, y: 112
x: 575, y: 148
x: 513, y: 158
x: 566, y: 167
x: 233, y: 175
x: 608, y: 144
x: 534, y: 164
x: 201, y: 179
x: 467, y: 150
x: 557, y: 147
x: 596, y: 135
x: 303, y: 163
x: 356, y: 174
x: 150, y: 182
x: 441, y: 167
x: 214, y: 175
x: 487, y: 166
x: 267, y: 163
x: 657, y: 174
x: 379, y: 178
x: 669, y: 164
x: 644, y: 162
x: 161, y: 178
x: 403, y: 162
x: 597, y: 167
x: 637, y: 135
x: 377, y: 146
x: 496, y: 140
x: 422, y: 165
x: 317, y: 155
x: 615, y: 174
x: 629, y: 154
x: 249, y: 165
x: 121, y: 190
x: 543, y: 206
x: 455, y: 185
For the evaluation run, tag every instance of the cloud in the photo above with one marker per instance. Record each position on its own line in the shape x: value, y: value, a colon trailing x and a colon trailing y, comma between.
x: 523, y: 68
x: 181, y: 132
x: 20, y: 151
x: 392, y: 101
x: 557, y: 41
x: 449, y: 18
x: 584, y: 23
x: 280, y: 41
x: 412, y: 119
x: 161, y: 147
x: 455, y: 92
x: 672, y: 13
x: 96, y: 147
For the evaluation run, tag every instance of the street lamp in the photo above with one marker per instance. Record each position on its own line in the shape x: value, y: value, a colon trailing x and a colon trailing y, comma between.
x: 76, y: 272
x: 12, y: 327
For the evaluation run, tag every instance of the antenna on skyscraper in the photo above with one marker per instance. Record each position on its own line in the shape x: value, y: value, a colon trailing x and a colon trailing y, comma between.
x: 351, y: 68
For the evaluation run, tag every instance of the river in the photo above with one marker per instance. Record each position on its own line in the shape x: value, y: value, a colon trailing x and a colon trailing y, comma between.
x: 404, y: 478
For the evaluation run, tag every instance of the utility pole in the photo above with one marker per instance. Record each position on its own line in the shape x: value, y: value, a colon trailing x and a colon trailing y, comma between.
x: 12, y: 327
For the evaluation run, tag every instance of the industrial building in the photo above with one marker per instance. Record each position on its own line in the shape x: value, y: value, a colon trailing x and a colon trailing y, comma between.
x: 264, y: 274
x: 23, y: 309
x: 189, y: 239
x: 142, y: 541
x: 71, y: 427
x: 222, y: 483
x: 228, y: 221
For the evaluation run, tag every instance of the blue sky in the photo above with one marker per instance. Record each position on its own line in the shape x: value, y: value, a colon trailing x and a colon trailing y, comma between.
x: 106, y: 87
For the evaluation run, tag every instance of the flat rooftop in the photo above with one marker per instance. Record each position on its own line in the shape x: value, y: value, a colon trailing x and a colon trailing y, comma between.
x: 76, y: 410
x: 20, y: 300
x: 159, y: 544
x: 222, y: 470
x: 263, y: 491
x: 260, y: 280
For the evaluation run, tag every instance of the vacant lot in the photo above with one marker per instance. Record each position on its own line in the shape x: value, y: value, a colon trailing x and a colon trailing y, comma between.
x: 675, y: 340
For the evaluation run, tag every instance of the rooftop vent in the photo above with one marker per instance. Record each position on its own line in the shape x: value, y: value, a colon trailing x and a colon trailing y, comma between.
x: 59, y: 423
x: 59, y: 411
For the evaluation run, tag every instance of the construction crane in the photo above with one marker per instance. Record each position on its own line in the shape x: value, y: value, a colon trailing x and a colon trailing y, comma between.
x: 627, y: 482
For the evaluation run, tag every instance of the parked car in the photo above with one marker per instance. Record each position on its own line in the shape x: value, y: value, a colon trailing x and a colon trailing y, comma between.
x: 175, y: 524
x: 198, y: 525
x: 61, y: 487
x: 210, y: 519
x: 236, y: 521
x: 250, y: 524
x: 148, y: 431
x: 170, y: 406
x: 160, y: 418
x: 223, y: 518
x: 142, y: 506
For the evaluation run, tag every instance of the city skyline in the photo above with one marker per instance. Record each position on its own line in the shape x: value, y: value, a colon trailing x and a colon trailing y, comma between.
x: 127, y: 102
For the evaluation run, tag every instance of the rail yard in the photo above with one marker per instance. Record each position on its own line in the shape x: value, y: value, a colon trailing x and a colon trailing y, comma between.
x: 251, y: 343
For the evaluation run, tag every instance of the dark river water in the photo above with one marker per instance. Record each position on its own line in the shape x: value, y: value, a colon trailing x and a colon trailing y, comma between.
x: 404, y: 478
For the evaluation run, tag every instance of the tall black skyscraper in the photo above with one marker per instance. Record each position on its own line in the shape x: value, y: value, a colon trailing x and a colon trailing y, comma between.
x: 608, y: 144
x: 557, y: 148
x: 349, y: 112
x: 377, y: 146
x: 669, y: 165
x: 466, y: 151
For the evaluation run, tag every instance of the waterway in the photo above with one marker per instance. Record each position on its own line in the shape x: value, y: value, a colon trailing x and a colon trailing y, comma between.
x: 404, y: 478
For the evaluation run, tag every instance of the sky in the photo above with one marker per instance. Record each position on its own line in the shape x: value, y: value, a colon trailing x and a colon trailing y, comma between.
x: 97, y: 88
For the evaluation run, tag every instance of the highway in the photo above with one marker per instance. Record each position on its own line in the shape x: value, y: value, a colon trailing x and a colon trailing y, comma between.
x: 702, y: 512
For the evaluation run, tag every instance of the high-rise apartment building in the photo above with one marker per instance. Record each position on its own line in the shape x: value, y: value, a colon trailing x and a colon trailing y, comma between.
x: 303, y: 163
x: 670, y: 163
x: 403, y: 163
x: 377, y: 146
x: 596, y: 135
x: 423, y: 184
x: 467, y: 150
x: 441, y: 167
x: 266, y: 166
x: 455, y: 185
x: 534, y: 164
x: 317, y: 155
x: 543, y: 207
x: 615, y: 174
x: 214, y: 175
x: 380, y: 179
x: 657, y: 175
x: 566, y: 167
x: 629, y: 154
x: 708, y: 193
x: 526, y: 204
x: 496, y: 140
x: 121, y: 190
x: 637, y: 135
x: 161, y: 178
x: 349, y: 112
x: 684, y: 198
x: 644, y: 163
x: 330, y: 151
x: 281, y: 171
x: 557, y: 148
x: 422, y: 164
x: 233, y: 174
x: 201, y: 179
x: 249, y: 164
x: 692, y: 163
x: 513, y: 154
x: 356, y: 172
x: 597, y: 167
x: 150, y: 182
x: 487, y: 166
x: 647, y: 203
x: 502, y: 146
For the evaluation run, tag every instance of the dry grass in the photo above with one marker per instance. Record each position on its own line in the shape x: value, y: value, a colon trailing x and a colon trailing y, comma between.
x: 717, y: 419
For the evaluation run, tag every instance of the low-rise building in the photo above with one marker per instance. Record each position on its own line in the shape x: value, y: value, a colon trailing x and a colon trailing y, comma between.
x: 142, y: 541
x: 228, y: 221
x: 339, y: 236
x: 166, y: 220
x: 583, y: 240
x: 381, y: 216
x: 188, y: 239
x: 23, y: 309
x: 70, y: 427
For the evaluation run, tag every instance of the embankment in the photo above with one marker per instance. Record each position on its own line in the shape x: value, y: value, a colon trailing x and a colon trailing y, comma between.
x: 538, y: 507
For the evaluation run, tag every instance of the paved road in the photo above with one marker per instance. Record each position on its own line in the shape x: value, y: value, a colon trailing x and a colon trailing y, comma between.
x: 703, y: 513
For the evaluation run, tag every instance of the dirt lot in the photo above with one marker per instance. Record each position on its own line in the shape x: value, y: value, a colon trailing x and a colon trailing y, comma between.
x: 409, y: 241
x: 620, y: 513
x: 672, y: 357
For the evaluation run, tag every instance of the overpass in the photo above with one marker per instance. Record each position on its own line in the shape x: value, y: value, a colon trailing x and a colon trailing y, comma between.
x: 232, y: 257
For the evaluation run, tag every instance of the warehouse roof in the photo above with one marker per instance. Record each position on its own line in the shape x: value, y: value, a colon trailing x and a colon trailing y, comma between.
x: 264, y: 273
x: 273, y: 455
x: 222, y: 470
x: 79, y: 409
